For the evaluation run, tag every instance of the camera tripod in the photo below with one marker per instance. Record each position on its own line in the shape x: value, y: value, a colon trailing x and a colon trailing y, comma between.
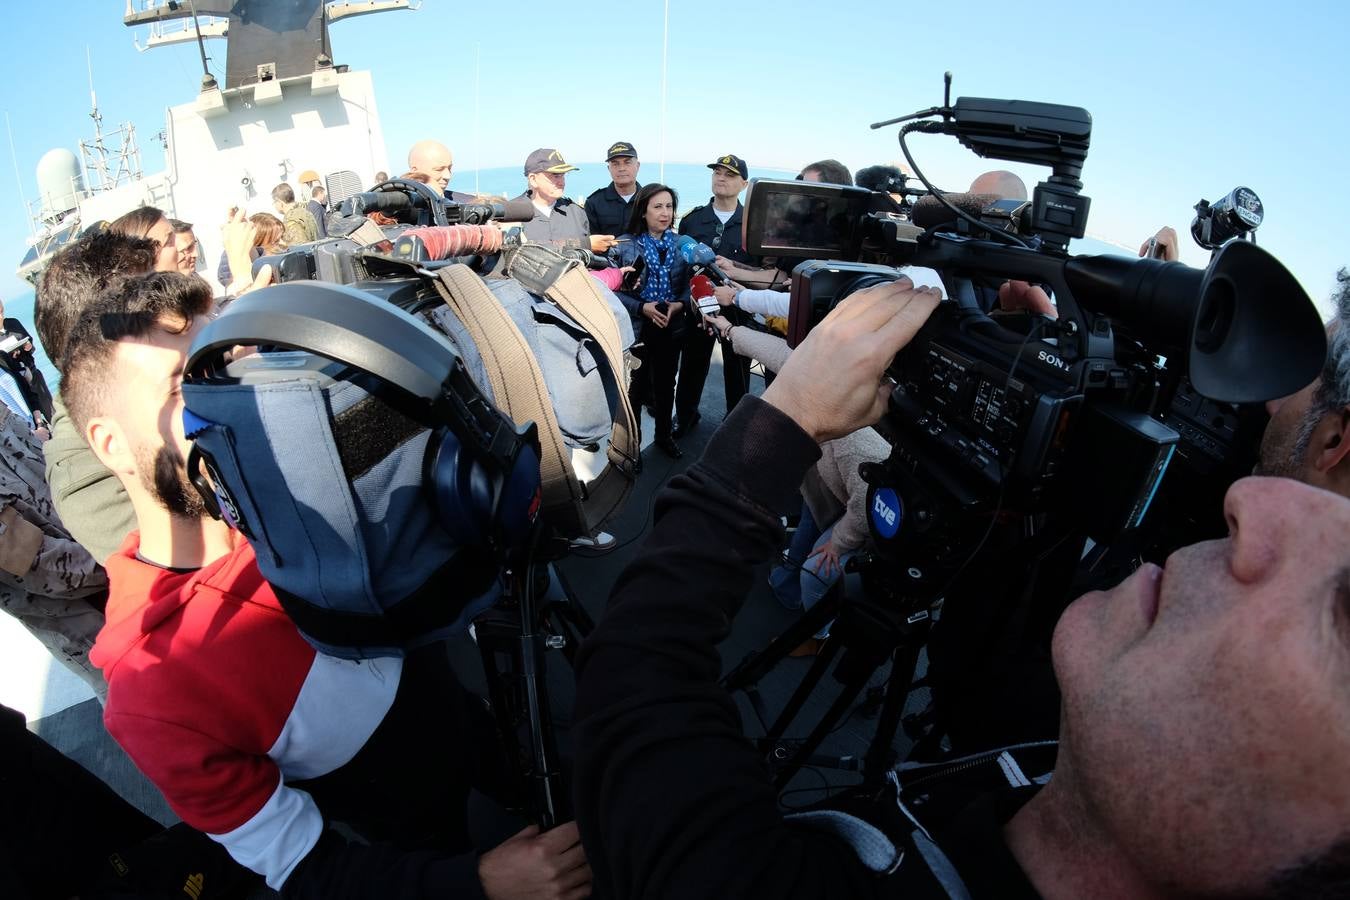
x: 537, y: 612
x: 888, y: 619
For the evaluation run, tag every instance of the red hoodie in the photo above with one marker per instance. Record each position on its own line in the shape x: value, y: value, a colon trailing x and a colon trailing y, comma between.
x: 216, y: 697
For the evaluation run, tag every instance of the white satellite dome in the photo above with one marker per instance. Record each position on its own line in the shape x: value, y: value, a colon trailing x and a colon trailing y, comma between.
x: 60, y: 179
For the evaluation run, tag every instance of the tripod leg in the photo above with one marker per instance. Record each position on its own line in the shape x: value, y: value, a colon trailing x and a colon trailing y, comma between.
x: 804, y: 689
x: 545, y: 781
x: 755, y: 666
x: 826, y: 724
x: 903, y: 662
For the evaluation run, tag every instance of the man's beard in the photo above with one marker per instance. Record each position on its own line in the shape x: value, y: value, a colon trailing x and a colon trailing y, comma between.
x: 164, y: 474
x: 1283, y: 451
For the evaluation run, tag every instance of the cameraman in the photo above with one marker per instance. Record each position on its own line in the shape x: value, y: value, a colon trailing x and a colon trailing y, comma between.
x: 251, y: 735
x: 1206, y: 717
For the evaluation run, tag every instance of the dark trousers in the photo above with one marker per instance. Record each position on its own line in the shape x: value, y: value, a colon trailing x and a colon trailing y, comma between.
x: 660, y: 355
x: 63, y: 833
x: 695, y: 360
x: 410, y: 783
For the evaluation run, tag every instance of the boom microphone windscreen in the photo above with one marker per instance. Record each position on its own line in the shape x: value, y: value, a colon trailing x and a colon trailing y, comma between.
x: 928, y: 212
x: 446, y: 241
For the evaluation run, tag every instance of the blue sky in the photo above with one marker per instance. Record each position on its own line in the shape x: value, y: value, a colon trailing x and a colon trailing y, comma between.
x: 1188, y: 101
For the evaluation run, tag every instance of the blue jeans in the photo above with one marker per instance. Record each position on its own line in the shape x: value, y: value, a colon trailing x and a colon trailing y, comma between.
x: 785, y: 580
x: 814, y: 585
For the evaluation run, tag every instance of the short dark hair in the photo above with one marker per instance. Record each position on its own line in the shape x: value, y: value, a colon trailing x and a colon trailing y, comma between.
x: 283, y: 193
x: 130, y: 310
x: 77, y: 275
x: 1334, y: 391
x: 637, y: 219
x: 831, y: 171
x: 179, y: 226
x: 318, y: 192
x: 138, y: 222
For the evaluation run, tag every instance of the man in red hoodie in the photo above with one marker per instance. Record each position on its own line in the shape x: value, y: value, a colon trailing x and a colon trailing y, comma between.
x: 253, y: 736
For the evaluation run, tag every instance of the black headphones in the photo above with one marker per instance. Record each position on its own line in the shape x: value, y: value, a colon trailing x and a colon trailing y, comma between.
x: 480, y: 469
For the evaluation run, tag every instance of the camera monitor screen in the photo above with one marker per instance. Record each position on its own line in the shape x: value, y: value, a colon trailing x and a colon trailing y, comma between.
x: 806, y: 219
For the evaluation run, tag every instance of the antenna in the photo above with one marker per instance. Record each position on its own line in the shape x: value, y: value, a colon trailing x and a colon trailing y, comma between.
x: 14, y: 157
x: 89, y: 64
x: 476, y: 157
x: 208, y: 80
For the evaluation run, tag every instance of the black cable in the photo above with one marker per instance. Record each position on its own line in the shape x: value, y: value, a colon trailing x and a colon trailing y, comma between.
x: 825, y: 786
x: 1004, y: 236
x: 1003, y: 483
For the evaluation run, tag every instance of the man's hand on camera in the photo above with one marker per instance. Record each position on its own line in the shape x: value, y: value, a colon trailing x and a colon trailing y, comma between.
x: 602, y: 242
x: 1023, y: 295
x: 834, y: 383
x: 534, y: 866
x: 1162, y: 245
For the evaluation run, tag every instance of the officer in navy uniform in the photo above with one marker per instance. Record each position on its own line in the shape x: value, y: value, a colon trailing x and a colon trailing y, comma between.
x: 717, y: 224
x: 607, y: 208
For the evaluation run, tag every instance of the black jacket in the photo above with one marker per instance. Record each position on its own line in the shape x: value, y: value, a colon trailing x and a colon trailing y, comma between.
x: 23, y: 366
x: 565, y: 227
x: 628, y: 252
x: 607, y: 212
x: 701, y: 224
x: 671, y: 799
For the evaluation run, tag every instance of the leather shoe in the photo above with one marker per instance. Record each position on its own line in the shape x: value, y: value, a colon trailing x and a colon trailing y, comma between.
x: 682, y: 427
x: 669, y: 447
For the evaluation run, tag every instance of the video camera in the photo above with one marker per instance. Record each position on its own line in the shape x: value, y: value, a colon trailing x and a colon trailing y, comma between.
x: 1079, y: 417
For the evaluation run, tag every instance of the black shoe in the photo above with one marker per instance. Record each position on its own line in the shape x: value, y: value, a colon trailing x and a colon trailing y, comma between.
x: 669, y: 447
x: 682, y: 427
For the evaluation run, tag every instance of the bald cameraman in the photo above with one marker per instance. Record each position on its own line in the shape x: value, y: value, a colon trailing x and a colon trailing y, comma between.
x: 1205, y: 723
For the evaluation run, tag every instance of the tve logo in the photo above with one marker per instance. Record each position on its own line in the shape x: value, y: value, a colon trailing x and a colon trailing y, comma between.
x: 887, y: 513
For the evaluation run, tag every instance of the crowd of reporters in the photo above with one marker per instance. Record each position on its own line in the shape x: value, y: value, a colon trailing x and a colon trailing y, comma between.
x: 264, y: 744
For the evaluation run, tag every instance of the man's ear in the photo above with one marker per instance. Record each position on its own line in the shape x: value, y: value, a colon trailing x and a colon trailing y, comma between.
x: 1331, y: 442
x: 108, y: 441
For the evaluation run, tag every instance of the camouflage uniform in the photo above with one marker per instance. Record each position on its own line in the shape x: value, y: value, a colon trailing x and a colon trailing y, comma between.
x: 47, y: 581
x: 300, y: 227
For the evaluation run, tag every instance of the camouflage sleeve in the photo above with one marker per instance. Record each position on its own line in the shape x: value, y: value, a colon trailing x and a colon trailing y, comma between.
x: 59, y: 569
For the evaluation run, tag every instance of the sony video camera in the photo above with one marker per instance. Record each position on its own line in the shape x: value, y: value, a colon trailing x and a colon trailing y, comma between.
x: 1081, y: 418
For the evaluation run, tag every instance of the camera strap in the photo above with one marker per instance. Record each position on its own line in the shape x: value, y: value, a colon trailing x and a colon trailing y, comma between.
x: 518, y: 387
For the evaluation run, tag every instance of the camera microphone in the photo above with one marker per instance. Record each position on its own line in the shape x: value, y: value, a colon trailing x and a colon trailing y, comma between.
x: 701, y: 257
x: 376, y: 201
x: 929, y: 212
x: 474, y: 212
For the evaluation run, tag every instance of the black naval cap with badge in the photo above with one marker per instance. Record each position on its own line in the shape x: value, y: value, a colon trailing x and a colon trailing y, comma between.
x: 733, y: 162
x: 620, y: 148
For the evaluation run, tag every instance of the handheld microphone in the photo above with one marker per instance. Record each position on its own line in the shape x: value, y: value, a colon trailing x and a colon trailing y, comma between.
x: 928, y: 212
x: 701, y: 257
x: 701, y: 292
